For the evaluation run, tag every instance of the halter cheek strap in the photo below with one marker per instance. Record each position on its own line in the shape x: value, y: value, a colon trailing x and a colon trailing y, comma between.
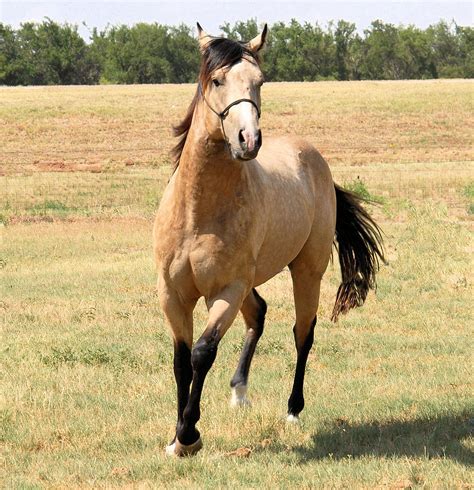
x: 223, y: 114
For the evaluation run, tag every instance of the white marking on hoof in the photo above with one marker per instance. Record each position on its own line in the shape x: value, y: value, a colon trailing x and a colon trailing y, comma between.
x: 293, y: 419
x: 170, y: 450
x: 239, y: 396
x: 178, y: 449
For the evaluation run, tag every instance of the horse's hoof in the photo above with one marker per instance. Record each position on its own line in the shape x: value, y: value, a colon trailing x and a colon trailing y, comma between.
x: 178, y: 449
x: 239, y: 397
x: 292, y: 419
x: 170, y: 449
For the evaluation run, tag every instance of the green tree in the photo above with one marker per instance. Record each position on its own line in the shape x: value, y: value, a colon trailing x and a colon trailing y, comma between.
x: 10, y: 70
x: 135, y: 55
x: 45, y: 54
x: 345, y: 38
x: 452, y: 48
x: 183, y: 54
x: 416, y: 60
x: 299, y: 52
x: 380, y: 60
x: 51, y: 53
x: 241, y: 31
x: 147, y: 53
x: 466, y: 48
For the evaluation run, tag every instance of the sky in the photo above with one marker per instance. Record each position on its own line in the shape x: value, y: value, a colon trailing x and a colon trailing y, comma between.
x: 212, y: 14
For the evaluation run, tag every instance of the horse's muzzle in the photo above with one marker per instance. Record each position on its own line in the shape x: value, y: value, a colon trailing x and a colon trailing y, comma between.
x: 250, y: 143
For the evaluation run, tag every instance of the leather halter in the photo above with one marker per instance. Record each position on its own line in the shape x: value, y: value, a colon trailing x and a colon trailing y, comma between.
x: 223, y: 114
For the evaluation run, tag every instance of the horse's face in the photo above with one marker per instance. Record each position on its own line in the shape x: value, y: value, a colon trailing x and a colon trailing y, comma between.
x: 241, y: 124
x: 234, y: 95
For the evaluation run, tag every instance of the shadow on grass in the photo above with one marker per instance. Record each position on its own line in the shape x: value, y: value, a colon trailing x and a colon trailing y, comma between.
x: 430, y: 438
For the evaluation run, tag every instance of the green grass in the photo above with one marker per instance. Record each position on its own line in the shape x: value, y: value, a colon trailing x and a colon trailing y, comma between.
x: 87, y: 366
x: 468, y: 192
x: 359, y: 187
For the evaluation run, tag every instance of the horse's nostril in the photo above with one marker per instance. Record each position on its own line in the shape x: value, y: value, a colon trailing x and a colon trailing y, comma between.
x: 241, y: 136
x: 259, y: 137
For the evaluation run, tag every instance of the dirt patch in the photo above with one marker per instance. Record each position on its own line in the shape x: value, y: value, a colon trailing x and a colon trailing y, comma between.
x: 62, y: 166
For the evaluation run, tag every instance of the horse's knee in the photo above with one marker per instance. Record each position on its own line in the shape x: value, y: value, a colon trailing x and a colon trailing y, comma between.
x: 204, y: 354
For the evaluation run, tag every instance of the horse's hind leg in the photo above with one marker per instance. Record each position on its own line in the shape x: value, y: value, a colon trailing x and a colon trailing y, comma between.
x: 253, y: 310
x: 306, y: 287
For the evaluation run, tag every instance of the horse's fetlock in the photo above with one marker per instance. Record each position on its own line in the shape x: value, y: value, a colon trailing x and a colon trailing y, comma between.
x: 187, y: 434
x: 295, y: 404
x: 238, y: 380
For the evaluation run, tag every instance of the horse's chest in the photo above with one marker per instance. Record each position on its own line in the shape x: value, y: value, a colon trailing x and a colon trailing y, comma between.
x: 215, y: 262
x: 203, y: 263
x: 209, y: 249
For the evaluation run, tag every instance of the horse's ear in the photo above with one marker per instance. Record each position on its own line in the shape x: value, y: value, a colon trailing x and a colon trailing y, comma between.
x: 203, y: 37
x: 258, y: 42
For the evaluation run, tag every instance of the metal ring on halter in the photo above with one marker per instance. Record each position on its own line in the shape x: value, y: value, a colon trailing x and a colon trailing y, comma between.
x: 222, y: 115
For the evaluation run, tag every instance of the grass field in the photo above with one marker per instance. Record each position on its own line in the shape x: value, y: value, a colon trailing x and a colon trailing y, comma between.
x: 87, y: 391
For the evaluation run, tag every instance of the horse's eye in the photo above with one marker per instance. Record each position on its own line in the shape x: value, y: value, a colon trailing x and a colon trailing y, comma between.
x: 216, y: 82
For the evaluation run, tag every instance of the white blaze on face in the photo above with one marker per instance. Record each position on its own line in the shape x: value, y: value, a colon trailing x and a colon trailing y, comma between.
x: 248, y: 120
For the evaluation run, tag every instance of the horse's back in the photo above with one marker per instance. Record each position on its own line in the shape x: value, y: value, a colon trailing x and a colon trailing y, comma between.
x: 296, y: 156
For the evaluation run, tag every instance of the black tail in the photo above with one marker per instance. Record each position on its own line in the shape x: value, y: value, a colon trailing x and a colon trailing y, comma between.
x: 360, y: 246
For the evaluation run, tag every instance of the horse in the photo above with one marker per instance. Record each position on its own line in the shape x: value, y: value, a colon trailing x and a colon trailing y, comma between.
x: 235, y: 213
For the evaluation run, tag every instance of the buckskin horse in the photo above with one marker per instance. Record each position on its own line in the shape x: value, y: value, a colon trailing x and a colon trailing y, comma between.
x: 236, y: 211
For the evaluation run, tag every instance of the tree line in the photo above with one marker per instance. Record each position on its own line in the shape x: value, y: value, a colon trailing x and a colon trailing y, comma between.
x: 49, y: 53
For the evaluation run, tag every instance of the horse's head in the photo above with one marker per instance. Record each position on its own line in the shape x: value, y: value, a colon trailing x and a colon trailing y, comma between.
x: 229, y: 83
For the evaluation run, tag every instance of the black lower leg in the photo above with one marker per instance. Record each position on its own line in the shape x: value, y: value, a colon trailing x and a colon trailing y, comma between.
x: 202, y: 358
x: 183, y: 373
x: 296, y: 400
x: 254, y: 332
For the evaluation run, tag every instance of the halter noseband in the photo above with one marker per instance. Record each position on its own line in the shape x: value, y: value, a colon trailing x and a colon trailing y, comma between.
x: 223, y: 114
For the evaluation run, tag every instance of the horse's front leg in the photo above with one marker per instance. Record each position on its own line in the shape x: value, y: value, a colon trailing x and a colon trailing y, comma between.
x: 179, y: 316
x: 223, y: 309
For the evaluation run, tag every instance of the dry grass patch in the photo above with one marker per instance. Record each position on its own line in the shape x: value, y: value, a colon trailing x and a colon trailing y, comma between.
x: 352, y: 123
x: 86, y: 358
x: 87, y: 364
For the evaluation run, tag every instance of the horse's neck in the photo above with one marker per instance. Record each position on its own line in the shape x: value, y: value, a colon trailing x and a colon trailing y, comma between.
x: 208, y: 178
